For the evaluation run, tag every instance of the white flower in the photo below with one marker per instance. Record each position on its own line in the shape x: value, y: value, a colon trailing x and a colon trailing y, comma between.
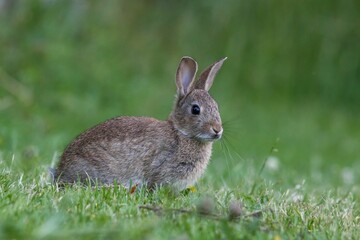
x: 272, y: 163
x: 296, y: 197
x: 347, y: 176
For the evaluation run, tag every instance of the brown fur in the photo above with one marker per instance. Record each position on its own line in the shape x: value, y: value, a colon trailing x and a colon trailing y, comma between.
x: 141, y: 150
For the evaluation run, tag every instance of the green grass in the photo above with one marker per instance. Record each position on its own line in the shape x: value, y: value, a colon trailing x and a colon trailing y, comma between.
x: 32, y: 207
x: 315, y: 198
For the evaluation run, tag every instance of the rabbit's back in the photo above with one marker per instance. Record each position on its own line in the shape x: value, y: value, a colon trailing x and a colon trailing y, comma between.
x: 120, y: 149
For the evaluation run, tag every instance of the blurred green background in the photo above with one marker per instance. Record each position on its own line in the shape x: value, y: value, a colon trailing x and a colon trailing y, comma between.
x: 293, y: 74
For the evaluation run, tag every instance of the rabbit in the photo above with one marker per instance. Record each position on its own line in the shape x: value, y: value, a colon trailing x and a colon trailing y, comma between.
x: 143, y: 150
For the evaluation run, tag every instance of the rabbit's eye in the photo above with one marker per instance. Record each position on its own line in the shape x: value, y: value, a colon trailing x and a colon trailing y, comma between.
x: 195, y: 110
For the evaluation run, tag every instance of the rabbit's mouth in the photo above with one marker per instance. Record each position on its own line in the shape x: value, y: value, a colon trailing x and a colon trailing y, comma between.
x: 203, y: 137
x: 217, y: 136
x: 208, y: 137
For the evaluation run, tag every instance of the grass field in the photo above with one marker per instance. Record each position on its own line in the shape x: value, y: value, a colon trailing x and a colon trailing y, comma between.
x: 288, y: 95
x: 304, y: 191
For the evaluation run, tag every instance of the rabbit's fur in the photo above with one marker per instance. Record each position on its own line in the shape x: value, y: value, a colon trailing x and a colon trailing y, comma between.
x: 141, y: 150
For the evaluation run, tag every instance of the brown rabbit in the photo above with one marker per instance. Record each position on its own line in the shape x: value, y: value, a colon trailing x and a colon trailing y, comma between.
x: 141, y: 150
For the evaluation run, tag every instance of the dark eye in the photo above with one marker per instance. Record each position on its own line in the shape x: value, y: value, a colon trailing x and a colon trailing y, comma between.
x: 195, y: 109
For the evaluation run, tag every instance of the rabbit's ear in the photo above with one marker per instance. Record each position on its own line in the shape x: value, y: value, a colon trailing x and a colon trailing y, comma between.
x: 185, y: 75
x: 207, y: 77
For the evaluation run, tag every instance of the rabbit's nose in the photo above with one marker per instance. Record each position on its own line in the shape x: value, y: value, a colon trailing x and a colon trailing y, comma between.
x: 217, y: 129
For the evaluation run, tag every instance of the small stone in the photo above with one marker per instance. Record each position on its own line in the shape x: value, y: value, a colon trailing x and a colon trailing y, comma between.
x: 235, y: 210
x: 206, y: 206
